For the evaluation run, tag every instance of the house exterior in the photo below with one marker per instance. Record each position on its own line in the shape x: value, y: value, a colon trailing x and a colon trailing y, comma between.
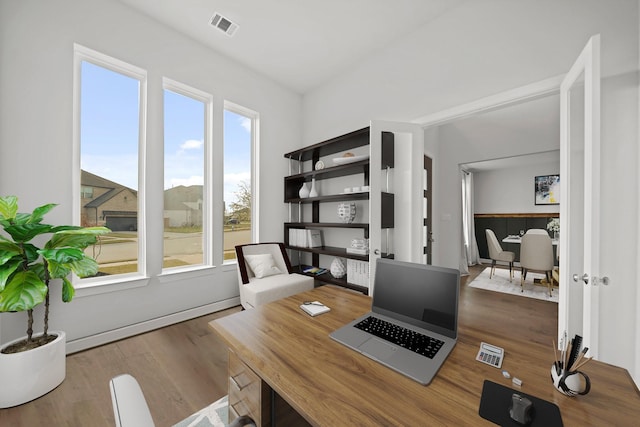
x: 107, y: 203
x: 183, y: 206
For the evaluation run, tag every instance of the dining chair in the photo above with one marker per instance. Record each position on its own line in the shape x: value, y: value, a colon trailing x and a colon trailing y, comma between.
x: 536, y: 254
x: 537, y: 231
x: 497, y: 254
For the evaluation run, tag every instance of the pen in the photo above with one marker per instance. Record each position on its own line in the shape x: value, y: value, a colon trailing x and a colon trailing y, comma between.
x: 575, y: 364
x: 584, y: 362
x: 555, y: 354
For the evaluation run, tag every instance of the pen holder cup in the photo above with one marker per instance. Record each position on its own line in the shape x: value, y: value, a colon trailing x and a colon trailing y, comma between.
x: 569, y: 383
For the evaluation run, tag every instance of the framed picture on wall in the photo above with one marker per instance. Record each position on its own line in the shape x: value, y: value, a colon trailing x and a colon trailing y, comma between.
x: 547, y: 190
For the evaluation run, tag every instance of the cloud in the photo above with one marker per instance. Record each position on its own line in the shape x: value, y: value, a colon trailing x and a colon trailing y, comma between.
x: 191, y: 144
x: 245, y: 122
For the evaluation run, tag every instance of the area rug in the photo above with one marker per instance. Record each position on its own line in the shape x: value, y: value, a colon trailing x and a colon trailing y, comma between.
x: 500, y: 283
x: 214, y: 415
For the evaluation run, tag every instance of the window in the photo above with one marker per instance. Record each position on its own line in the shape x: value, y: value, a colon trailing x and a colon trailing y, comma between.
x: 240, y: 143
x: 86, y: 192
x: 109, y: 112
x: 186, y: 140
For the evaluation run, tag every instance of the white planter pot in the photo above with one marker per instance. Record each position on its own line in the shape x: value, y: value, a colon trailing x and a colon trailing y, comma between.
x: 30, y: 374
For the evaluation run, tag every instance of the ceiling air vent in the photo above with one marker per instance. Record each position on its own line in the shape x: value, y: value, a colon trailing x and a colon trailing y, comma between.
x: 223, y: 24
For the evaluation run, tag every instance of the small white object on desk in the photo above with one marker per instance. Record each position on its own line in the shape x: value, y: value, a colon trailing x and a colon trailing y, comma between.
x: 314, y: 308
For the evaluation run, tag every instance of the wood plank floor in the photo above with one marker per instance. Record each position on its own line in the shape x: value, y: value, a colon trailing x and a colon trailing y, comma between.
x: 182, y: 368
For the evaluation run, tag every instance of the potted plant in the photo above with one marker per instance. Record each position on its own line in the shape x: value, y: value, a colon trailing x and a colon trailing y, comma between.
x: 554, y: 226
x: 34, y: 365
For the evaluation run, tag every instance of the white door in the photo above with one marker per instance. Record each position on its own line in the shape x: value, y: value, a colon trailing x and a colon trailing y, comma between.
x: 403, y: 182
x: 580, y: 282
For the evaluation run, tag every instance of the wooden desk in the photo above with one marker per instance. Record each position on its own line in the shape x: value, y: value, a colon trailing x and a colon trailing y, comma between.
x: 331, y: 385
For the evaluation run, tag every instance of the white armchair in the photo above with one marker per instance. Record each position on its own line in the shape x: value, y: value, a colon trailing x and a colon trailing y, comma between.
x: 265, y: 274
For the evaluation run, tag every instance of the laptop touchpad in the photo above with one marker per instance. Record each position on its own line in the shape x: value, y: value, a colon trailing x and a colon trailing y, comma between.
x: 378, y: 349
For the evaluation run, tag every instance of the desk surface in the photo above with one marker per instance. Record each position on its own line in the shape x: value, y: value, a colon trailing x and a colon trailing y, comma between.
x: 331, y: 385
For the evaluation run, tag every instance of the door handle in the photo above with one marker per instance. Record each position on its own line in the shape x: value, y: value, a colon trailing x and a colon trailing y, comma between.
x: 584, y: 278
x: 376, y: 251
x: 596, y: 280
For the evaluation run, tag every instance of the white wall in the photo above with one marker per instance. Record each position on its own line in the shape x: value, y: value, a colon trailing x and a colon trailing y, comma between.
x: 511, y: 190
x: 482, y: 48
x: 36, y: 76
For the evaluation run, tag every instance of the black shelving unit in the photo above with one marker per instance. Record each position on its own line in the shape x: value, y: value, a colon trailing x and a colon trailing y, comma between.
x: 292, y: 184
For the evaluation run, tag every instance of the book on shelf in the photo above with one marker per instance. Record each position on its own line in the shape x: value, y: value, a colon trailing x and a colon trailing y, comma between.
x: 314, y: 238
x: 316, y: 271
x: 357, y: 251
x: 305, y: 238
x: 358, y: 272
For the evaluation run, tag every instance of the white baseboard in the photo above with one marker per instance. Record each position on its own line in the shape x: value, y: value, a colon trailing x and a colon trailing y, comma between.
x: 149, y: 325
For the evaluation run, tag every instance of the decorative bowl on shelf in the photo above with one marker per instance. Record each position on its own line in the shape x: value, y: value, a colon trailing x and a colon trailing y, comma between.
x: 347, y: 212
x: 337, y: 268
x: 350, y: 159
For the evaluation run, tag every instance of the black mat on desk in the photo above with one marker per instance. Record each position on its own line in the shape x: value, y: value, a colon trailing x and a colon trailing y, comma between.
x: 496, y: 399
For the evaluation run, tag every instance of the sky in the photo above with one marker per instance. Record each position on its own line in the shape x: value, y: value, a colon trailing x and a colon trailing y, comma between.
x: 109, y: 134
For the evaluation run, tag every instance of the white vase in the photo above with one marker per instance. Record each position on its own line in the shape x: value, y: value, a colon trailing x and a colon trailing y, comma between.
x: 33, y: 373
x: 337, y: 268
x: 304, y: 191
x: 313, y: 192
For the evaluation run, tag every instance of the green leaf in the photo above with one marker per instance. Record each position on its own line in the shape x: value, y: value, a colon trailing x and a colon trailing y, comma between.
x: 58, y: 270
x: 26, y: 232
x: 5, y: 256
x: 24, y: 291
x: 58, y: 228
x: 21, y: 218
x: 8, y: 247
x: 31, y: 252
x: 85, y: 267
x: 7, y: 270
x: 75, y: 238
x: 8, y: 207
x: 8, y: 250
x: 62, y: 255
x: 68, y: 290
x: 40, y: 212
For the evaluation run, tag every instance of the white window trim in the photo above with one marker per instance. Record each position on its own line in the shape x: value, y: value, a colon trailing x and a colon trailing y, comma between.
x: 209, y: 211
x: 255, y: 164
x: 81, y: 54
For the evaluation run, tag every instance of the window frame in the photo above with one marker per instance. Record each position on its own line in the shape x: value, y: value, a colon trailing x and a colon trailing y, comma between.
x: 207, y: 190
x: 83, y: 54
x: 254, y: 116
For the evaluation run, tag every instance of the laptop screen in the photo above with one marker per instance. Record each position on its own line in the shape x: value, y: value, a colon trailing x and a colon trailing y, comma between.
x: 422, y: 295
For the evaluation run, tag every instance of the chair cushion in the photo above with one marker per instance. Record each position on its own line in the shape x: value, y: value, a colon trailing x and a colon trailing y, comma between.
x: 262, y: 265
x: 506, y: 256
x: 267, y: 289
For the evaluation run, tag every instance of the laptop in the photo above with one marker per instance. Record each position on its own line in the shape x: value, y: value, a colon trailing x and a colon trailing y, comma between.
x: 413, y: 298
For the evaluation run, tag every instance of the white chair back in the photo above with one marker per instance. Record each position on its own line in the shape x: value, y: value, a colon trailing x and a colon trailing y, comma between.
x: 493, y: 244
x: 536, y: 252
x: 130, y: 408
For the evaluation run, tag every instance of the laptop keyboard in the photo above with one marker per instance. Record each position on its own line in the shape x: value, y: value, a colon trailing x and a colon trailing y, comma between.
x: 407, y: 338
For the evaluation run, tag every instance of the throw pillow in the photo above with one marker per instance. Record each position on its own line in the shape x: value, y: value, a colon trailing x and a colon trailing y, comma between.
x: 262, y: 265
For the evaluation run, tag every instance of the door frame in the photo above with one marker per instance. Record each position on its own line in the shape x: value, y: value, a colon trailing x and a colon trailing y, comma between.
x: 512, y: 97
x: 588, y: 65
